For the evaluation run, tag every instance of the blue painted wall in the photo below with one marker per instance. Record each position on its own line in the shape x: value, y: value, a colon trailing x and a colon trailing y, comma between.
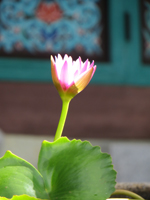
x: 125, y: 66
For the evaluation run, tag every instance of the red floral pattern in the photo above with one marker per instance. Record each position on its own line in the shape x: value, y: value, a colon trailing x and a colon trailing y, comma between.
x: 49, y: 12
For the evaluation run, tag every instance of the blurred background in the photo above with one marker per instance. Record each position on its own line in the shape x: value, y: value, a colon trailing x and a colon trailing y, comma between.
x: 113, y: 111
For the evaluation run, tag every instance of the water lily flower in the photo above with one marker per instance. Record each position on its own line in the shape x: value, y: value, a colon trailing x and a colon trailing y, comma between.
x: 70, y: 77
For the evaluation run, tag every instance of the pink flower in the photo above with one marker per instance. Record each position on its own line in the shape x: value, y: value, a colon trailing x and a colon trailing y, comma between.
x: 71, y: 77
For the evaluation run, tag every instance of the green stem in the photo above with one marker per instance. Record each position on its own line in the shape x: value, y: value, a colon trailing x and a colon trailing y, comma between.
x: 65, y: 106
x: 127, y: 193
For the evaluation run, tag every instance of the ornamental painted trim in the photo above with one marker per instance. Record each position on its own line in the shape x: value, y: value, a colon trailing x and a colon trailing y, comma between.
x: 43, y: 27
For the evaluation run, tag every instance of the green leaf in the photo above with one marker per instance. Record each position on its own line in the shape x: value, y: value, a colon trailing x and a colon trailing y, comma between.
x: 76, y: 170
x: 21, y: 197
x: 18, y: 177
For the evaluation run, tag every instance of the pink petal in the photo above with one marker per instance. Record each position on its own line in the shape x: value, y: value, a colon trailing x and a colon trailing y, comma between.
x: 80, y: 62
x: 59, y: 63
x: 52, y: 59
x: 55, y: 75
x: 84, y: 68
x: 92, y: 64
x: 93, y: 70
x: 77, y: 64
x: 59, y: 57
x: 76, y: 74
x: 64, y: 76
x: 83, y: 81
x: 70, y: 61
x: 65, y: 57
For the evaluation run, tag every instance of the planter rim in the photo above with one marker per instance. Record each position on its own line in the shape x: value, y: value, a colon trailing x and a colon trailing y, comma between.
x: 142, y: 188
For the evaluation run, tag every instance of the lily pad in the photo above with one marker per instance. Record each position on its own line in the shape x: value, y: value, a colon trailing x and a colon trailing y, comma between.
x: 76, y: 170
x: 18, y: 177
x: 21, y: 197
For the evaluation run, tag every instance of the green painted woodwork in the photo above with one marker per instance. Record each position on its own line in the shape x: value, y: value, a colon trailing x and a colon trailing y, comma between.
x: 125, y: 66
